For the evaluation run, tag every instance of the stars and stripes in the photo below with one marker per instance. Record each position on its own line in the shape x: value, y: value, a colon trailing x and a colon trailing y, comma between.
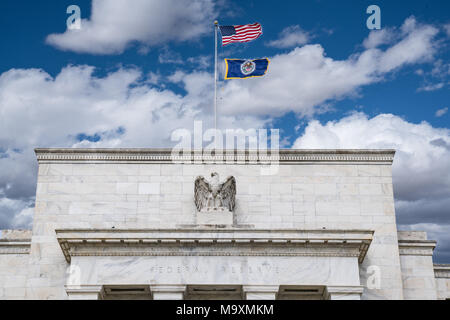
x: 240, y: 33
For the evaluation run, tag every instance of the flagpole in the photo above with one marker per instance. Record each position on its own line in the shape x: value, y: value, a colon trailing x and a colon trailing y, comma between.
x: 216, y: 24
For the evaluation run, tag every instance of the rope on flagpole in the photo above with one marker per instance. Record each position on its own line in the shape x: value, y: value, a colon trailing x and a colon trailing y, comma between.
x: 216, y: 24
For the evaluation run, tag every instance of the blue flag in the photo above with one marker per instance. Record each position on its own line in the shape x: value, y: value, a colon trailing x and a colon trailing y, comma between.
x: 242, y: 69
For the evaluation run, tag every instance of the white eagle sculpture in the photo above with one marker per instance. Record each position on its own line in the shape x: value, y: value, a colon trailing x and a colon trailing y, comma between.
x: 214, y: 195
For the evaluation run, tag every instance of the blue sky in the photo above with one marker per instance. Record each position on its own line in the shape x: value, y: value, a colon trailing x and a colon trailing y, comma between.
x: 340, y: 27
x: 131, y: 83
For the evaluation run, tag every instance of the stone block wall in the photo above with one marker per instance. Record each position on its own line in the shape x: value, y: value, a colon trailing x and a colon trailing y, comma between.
x: 442, y: 276
x: 416, y: 258
x: 14, y: 250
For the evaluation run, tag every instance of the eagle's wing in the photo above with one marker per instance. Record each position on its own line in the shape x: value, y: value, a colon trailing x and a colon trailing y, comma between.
x: 201, y: 192
x: 228, y: 193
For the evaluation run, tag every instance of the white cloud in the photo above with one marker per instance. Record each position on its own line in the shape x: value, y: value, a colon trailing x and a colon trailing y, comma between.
x: 23, y: 220
x: 416, y: 46
x: 168, y: 56
x: 122, y: 109
x: 440, y: 69
x: 437, y: 78
x: 154, y: 78
x: 291, y: 36
x: 39, y: 109
x: 16, y: 213
x: 441, y: 112
x: 125, y: 108
x: 421, y: 169
x: 431, y: 87
x: 201, y: 62
x: 114, y: 25
x: 447, y: 29
x: 379, y: 37
x: 305, y: 78
x: 177, y: 76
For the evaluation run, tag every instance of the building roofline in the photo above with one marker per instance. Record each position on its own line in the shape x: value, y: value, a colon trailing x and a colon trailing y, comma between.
x: 165, y: 155
x: 169, y: 150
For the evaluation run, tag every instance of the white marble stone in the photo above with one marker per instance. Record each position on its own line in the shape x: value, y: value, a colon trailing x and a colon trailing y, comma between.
x: 442, y: 276
x: 220, y: 217
x: 149, y: 188
x: 143, y: 189
x: 418, y: 276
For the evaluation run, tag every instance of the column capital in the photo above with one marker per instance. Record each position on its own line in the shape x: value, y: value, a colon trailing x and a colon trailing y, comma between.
x: 168, y: 292
x: 260, y: 292
x: 84, y: 292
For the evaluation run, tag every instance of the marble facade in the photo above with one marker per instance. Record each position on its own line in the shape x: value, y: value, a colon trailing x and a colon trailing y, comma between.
x: 122, y: 224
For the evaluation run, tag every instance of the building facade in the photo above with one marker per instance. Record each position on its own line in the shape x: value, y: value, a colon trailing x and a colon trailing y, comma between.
x: 307, y: 224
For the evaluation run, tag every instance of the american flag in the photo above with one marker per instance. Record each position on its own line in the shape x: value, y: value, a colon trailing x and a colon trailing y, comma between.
x: 241, y: 33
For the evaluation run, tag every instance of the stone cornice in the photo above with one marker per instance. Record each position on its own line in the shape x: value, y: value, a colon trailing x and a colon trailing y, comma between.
x: 15, y: 246
x: 442, y: 271
x: 214, y: 242
x: 416, y: 247
x: 284, y: 156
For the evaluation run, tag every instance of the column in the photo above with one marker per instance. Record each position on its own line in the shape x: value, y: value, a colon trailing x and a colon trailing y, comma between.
x: 168, y: 292
x: 84, y: 292
x: 260, y: 292
x: 343, y: 292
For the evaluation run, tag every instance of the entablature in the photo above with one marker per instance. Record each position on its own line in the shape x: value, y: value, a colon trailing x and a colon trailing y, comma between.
x: 214, y: 242
x: 21, y: 246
